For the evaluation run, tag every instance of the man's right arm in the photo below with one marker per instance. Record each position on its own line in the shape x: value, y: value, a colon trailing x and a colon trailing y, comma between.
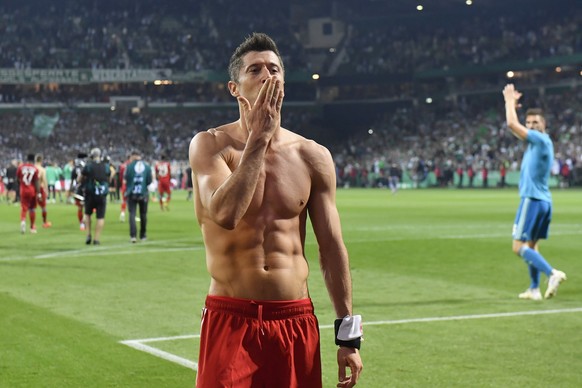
x: 225, y: 194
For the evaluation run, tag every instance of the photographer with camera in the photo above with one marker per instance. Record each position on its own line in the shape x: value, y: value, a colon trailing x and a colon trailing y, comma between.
x: 95, y: 178
x: 137, y: 178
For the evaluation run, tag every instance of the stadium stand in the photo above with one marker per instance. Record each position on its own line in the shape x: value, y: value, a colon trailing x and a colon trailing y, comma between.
x: 427, y: 84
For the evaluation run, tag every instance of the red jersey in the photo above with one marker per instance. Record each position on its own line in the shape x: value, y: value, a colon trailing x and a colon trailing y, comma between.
x: 163, y: 171
x: 27, y: 175
x: 121, y: 174
x: 122, y: 168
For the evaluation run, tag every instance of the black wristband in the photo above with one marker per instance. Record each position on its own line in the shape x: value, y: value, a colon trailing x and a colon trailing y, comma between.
x: 354, y: 343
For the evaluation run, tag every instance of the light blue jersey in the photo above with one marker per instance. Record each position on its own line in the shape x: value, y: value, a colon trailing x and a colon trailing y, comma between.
x: 535, y: 167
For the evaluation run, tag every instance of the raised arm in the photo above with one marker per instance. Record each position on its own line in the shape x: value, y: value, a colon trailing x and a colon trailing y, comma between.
x: 511, y: 97
x: 225, y: 195
x: 226, y: 190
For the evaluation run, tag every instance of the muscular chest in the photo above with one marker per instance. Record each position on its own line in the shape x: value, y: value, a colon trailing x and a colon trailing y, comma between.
x: 283, y: 186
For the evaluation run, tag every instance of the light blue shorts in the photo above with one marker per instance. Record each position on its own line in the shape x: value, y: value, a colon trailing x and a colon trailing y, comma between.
x: 532, y: 221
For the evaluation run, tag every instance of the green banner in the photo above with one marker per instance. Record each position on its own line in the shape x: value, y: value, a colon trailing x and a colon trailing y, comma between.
x: 81, y: 76
x: 44, y: 125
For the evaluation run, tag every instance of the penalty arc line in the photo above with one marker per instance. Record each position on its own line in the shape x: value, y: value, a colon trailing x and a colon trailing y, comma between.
x: 140, y: 344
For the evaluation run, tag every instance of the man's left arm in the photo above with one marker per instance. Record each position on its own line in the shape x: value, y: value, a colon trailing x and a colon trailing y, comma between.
x: 334, y: 262
x: 325, y: 219
x: 511, y: 97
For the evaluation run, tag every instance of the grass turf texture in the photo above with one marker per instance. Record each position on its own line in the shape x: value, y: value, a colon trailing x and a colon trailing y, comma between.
x: 65, y: 307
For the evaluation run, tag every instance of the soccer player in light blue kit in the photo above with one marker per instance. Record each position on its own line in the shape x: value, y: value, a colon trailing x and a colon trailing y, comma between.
x: 535, y: 209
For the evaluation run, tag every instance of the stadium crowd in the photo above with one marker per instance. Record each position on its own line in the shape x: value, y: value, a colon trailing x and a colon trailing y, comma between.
x: 476, y: 40
x: 195, y: 36
x: 472, y: 134
x: 199, y: 36
x: 183, y: 35
x: 191, y: 36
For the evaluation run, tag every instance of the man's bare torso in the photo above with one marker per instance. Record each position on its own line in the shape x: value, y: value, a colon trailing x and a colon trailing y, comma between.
x: 42, y: 177
x: 263, y: 257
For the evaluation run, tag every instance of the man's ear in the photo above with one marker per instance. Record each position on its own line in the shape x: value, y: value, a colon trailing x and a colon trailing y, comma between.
x: 233, y: 88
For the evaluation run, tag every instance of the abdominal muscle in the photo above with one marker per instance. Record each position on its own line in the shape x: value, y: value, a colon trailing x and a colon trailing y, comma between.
x: 256, y: 264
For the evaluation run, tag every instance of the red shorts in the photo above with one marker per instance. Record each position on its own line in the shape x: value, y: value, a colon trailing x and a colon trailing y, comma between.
x: 245, y: 343
x: 28, y: 200
x: 164, y: 187
x: 42, y: 202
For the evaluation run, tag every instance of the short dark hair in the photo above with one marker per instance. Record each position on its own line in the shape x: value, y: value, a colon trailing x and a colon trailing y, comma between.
x: 535, y: 112
x: 257, y: 41
x: 30, y: 158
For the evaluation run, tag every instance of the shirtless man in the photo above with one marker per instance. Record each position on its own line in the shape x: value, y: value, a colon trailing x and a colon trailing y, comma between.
x: 255, y: 184
x: 42, y: 179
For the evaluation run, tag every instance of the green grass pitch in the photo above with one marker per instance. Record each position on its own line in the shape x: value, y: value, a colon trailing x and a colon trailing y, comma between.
x: 434, y: 279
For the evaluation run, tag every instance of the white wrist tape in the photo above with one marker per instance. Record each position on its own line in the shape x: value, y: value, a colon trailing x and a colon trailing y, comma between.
x: 350, y: 328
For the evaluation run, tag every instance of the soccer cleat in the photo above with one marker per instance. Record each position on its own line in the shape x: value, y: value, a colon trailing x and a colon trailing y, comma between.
x: 23, y: 227
x: 33, y: 230
x: 556, y: 278
x: 88, y: 240
x: 47, y: 224
x: 133, y: 240
x: 531, y: 294
x: 96, y: 242
x: 143, y: 239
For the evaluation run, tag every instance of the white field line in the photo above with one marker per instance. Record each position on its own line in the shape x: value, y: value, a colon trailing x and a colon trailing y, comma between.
x: 107, y: 251
x: 102, y: 251
x: 162, y: 354
x: 140, y: 344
